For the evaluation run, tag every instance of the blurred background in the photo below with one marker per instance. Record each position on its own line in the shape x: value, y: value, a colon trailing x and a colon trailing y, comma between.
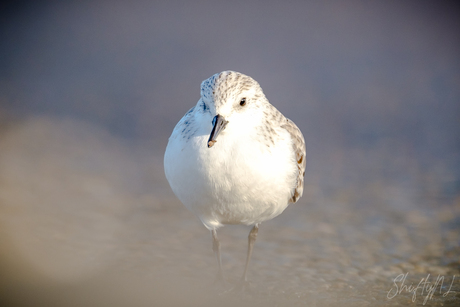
x: 91, y: 90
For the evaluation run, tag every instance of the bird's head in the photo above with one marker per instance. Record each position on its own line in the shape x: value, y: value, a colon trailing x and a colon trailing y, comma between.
x: 233, y: 99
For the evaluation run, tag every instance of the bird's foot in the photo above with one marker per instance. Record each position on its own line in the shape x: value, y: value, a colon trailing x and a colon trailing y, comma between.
x: 221, y: 284
x: 220, y: 277
x: 241, y: 287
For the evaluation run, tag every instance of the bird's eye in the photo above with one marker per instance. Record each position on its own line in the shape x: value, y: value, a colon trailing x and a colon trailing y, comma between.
x: 243, y: 101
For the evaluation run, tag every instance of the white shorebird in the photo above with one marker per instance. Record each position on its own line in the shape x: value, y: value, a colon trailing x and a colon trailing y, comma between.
x: 234, y: 158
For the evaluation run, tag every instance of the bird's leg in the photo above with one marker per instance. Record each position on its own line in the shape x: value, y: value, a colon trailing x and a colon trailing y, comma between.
x: 216, y: 249
x: 251, y: 239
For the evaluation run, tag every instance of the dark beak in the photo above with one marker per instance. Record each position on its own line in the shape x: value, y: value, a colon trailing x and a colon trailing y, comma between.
x: 218, y: 124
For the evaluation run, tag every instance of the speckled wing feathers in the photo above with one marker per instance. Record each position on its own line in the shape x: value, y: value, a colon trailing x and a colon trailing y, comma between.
x: 300, y: 152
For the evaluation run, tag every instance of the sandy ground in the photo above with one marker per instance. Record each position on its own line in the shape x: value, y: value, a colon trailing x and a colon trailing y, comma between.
x: 91, y: 90
x: 88, y: 219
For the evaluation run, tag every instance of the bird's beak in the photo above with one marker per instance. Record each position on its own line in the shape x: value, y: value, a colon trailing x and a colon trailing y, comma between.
x: 218, y: 124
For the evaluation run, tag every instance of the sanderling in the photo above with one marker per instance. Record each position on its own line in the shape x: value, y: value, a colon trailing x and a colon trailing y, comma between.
x: 234, y: 158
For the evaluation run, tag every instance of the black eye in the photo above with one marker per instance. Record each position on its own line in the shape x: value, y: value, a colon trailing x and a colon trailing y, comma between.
x: 243, y: 101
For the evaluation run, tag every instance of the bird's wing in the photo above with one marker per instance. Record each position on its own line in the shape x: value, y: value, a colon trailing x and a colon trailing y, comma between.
x: 298, y: 143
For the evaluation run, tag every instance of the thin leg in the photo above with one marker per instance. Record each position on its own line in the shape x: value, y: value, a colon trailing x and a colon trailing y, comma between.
x: 216, y: 249
x: 251, y: 239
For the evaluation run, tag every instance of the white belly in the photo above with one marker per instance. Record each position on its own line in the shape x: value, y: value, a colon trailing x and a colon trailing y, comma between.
x: 237, y: 181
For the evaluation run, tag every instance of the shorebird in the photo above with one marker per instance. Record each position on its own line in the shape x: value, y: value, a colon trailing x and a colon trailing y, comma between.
x: 234, y: 158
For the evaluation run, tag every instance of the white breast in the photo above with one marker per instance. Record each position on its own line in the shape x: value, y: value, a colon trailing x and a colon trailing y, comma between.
x: 237, y: 181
